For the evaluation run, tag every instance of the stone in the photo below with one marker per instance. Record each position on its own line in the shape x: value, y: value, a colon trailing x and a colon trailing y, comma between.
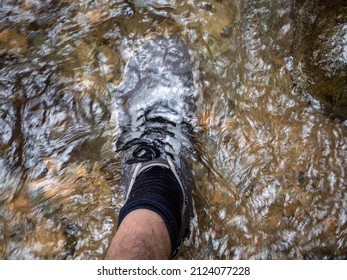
x: 320, y: 53
x: 13, y: 41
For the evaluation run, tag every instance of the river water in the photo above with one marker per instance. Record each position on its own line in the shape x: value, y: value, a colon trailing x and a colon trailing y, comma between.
x: 269, y: 166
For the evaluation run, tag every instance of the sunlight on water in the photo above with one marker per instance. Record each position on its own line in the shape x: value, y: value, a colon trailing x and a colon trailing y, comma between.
x: 269, y: 165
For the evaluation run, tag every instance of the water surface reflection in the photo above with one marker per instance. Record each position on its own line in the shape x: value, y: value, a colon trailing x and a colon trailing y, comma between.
x: 270, y: 167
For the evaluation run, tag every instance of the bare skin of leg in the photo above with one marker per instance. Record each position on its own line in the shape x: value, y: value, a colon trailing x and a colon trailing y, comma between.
x: 142, y: 235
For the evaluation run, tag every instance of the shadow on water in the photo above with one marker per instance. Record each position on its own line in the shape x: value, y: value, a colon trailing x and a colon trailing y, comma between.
x: 269, y: 167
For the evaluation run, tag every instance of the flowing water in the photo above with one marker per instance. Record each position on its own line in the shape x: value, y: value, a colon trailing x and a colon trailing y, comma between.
x: 269, y: 165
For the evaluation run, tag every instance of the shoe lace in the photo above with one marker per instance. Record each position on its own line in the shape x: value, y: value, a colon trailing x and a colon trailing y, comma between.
x: 144, y: 151
x: 150, y: 144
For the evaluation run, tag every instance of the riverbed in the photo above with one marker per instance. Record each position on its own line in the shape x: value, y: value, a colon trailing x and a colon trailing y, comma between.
x: 269, y: 165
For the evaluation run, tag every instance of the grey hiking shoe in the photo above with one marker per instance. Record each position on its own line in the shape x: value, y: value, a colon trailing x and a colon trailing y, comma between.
x: 158, y: 94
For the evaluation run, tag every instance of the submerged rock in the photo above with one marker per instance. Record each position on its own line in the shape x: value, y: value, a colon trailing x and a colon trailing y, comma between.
x: 320, y: 52
x: 12, y: 41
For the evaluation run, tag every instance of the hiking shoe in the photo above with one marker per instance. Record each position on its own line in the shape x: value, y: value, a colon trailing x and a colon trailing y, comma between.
x: 158, y: 94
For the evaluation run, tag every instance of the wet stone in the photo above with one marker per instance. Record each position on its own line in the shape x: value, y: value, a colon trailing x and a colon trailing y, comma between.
x: 291, y: 208
x: 94, y: 15
x: 321, y: 66
x: 13, y: 41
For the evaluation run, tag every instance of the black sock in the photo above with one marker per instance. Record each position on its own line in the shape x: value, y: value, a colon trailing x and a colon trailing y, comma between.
x: 157, y: 189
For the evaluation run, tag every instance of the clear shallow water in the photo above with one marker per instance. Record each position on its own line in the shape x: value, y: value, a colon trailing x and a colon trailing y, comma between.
x: 269, y: 168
